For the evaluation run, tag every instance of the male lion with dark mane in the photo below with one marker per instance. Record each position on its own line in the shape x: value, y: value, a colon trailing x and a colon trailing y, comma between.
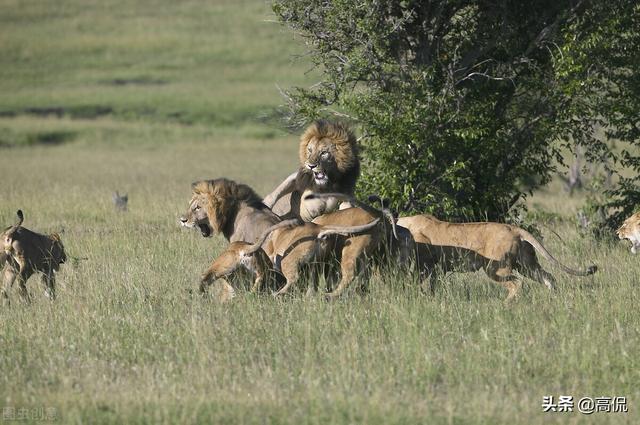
x: 497, y: 248
x: 329, y: 162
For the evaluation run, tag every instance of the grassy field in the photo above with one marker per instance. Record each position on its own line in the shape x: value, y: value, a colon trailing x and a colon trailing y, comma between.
x: 147, y: 97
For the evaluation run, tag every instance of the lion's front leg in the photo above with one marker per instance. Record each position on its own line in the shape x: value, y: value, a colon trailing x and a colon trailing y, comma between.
x: 21, y: 279
x: 287, y: 186
x: 49, y: 280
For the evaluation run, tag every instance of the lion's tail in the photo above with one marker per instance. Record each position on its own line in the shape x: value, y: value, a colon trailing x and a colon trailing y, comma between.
x: 263, y: 237
x: 346, y: 231
x: 546, y: 254
x: 9, y: 233
x: 384, y: 205
x: 20, y: 218
x: 347, y: 198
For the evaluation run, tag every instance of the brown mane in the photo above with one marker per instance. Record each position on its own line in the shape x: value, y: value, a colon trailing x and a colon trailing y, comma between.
x: 223, y: 200
x: 346, y: 157
x: 340, y: 134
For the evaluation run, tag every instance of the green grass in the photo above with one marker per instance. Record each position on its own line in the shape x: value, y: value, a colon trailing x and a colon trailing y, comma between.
x: 125, y: 342
x: 214, y: 62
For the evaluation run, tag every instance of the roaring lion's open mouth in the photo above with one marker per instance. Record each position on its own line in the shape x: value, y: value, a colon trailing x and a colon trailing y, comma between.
x: 205, y: 229
x: 320, y: 177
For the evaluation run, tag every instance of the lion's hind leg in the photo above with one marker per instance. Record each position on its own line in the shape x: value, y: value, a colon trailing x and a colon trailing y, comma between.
x: 291, y: 266
x: 504, y: 276
x: 9, y: 275
x: 291, y: 271
x: 22, y: 286
x: 293, y: 261
x: 225, y: 264
x: 21, y: 272
x: 531, y: 268
x: 540, y: 275
x: 258, y: 264
x: 353, y: 259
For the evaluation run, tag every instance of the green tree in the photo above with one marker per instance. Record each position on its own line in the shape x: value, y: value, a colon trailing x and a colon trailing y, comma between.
x: 463, y: 104
x: 597, y: 69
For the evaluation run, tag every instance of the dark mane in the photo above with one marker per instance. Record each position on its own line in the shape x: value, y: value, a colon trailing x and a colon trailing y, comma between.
x: 240, y: 192
x: 224, y: 198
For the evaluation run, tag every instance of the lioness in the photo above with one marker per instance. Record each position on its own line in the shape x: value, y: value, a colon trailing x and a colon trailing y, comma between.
x: 289, y: 246
x: 26, y: 253
x: 630, y: 229
x: 399, y: 241
x: 496, y: 248
x: 328, y: 154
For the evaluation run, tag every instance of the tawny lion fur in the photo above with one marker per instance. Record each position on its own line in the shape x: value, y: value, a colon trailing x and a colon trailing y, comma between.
x: 630, y: 229
x: 336, y: 137
x: 236, y: 211
x: 497, y: 248
x: 246, y: 220
x: 328, y: 154
x: 27, y: 252
x: 291, y: 247
x: 224, y: 206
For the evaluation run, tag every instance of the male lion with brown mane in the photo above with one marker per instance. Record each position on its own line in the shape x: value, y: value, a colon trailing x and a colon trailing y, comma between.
x: 329, y: 162
x: 497, y: 248
x: 27, y: 252
x: 236, y: 211
x: 224, y: 206
x: 630, y: 229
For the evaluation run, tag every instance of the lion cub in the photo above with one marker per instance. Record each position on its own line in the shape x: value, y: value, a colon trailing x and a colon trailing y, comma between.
x: 25, y: 253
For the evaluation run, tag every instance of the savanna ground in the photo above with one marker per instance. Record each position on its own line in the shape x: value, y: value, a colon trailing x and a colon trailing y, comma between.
x: 146, y: 98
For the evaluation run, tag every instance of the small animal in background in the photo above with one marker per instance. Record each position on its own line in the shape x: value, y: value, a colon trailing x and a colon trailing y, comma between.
x: 630, y: 229
x: 25, y: 253
x: 120, y: 201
